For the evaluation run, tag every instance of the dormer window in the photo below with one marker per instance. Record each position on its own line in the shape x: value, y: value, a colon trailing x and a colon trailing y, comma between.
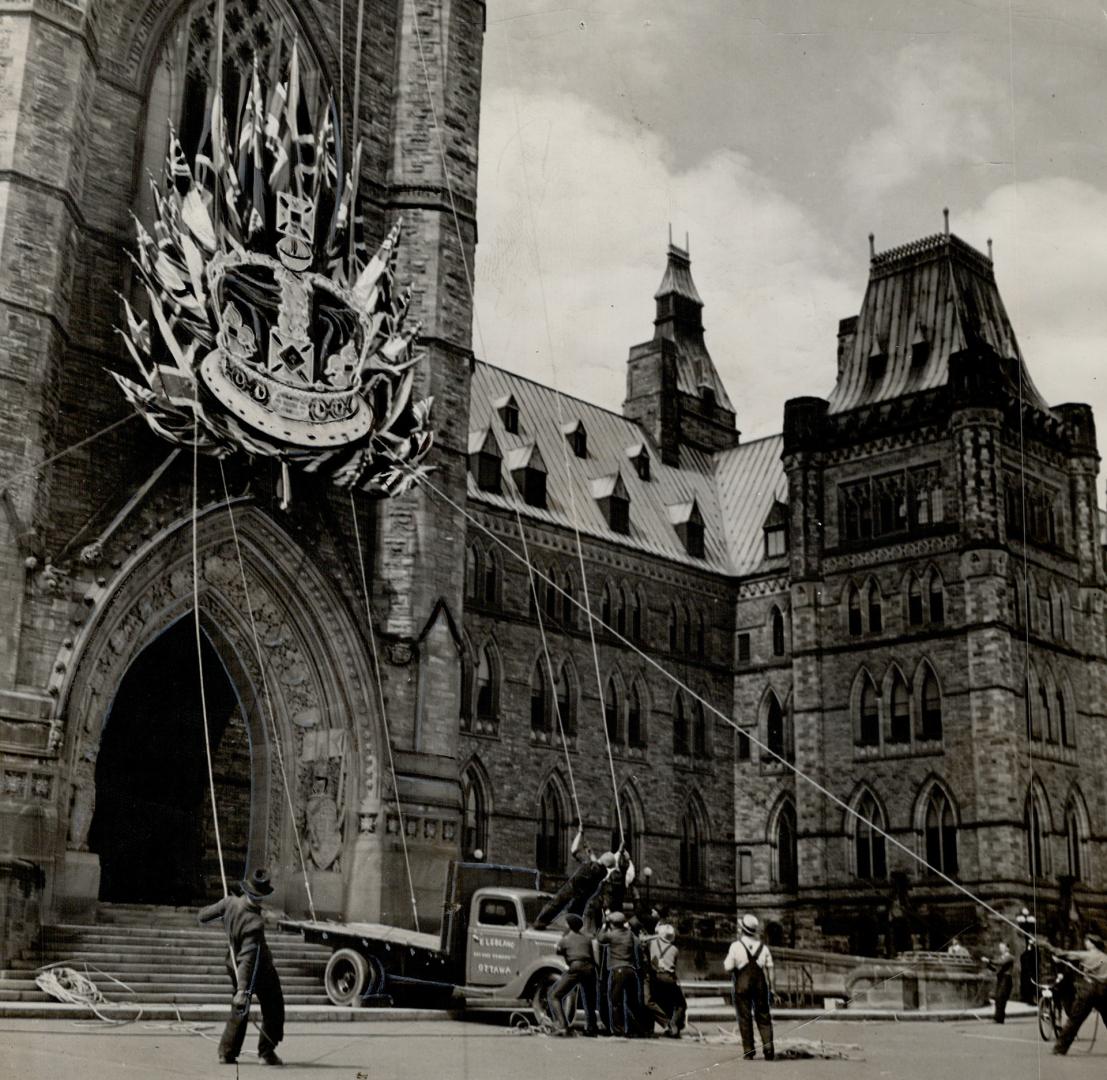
x: 920, y: 348
x: 878, y: 363
x: 688, y: 522
x: 485, y: 460
x: 528, y: 472
x: 611, y: 494
x: 640, y: 458
x: 508, y: 408
x: 707, y: 396
x: 577, y: 437
x: 776, y: 531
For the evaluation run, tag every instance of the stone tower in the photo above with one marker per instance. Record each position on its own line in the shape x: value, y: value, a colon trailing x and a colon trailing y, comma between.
x: 95, y: 563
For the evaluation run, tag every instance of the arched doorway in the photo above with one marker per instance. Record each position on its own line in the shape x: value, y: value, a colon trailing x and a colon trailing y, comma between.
x: 153, y: 826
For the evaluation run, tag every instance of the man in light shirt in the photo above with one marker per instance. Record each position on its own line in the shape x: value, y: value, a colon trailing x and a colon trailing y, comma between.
x: 1091, y: 991
x: 751, y: 967
x: 664, y: 999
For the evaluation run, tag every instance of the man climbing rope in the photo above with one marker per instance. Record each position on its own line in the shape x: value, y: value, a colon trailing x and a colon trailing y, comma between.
x: 250, y: 966
x: 582, y: 884
x: 751, y: 966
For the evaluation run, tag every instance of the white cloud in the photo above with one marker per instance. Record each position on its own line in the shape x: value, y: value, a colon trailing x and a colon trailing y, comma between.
x: 1051, y: 265
x: 601, y: 197
x: 940, y: 108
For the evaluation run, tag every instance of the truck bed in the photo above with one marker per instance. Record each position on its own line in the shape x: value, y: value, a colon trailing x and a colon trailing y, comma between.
x: 336, y: 933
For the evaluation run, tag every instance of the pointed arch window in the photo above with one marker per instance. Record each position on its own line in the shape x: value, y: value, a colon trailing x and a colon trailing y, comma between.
x: 870, y: 857
x: 778, y: 632
x: 931, y: 708
x: 539, y: 708
x: 565, y: 700
x: 701, y: 636
x: 487, y: 691
x: 568, y: 608
x: 1047, y: 713
x: 868, y: 729
x: 673, y: 630
x: 1064, y: 722
x: 621, y: 611
x: 774, y: 727
x: 549, y: 845
x: 473, y: 574
x: 549, y: 589
x: 693, y: 849
x: 940, y: 832
x: 900, y: 728
x: 612, y: 711
x: 937, y: 601
x: 787, y: 863
x: 1074, y: 843
x: 680, y: 727
x: 914, y: 603
x: 466, y: 712
x: 686, y: 631
x: 1035, y: 838
x: 636, y: 622
x: 699, y: 731
x: 876, y: 611
x: 1033, y: 716
x: 607, y: 606
x: 474, y: 806
x: 636, y: 720
x: 854, y: 612
x: 491, y: 583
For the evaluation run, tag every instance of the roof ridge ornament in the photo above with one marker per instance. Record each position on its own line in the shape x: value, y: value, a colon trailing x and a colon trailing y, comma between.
x: 273, y: 331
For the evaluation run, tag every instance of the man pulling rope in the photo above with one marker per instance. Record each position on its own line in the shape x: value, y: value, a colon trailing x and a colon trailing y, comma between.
x: 251, y: 968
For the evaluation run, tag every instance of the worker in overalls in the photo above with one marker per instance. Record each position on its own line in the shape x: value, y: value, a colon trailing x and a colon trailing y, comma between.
x: 250, y: 966
x: 751, y: 967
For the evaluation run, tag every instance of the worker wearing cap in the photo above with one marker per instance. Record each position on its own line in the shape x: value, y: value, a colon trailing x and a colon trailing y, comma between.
x: 751, y: 966
x: 582, y: 885
x: 576, y: 947
x: 1091, y: 991
x: 664, y: 999
x: 250, y: 966
x: 622, y: 980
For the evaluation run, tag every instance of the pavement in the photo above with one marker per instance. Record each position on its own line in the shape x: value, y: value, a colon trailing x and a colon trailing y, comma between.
x: 445, y: 1050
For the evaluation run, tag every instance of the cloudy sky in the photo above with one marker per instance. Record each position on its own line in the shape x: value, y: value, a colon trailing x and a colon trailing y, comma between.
x: 778, y: 134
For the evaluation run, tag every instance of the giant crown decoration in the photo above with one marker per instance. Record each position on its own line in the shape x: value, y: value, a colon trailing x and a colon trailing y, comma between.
x: 271, y: 329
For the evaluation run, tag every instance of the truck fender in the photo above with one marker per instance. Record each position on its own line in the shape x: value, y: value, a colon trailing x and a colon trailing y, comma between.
x: 520, y: 986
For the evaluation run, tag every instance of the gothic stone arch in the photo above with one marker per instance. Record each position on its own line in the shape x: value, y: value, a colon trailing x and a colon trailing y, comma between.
x: 316, y: 679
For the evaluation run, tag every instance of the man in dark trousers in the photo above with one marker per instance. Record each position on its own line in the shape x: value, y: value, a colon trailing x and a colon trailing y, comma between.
x: 662, y: 994
x: 582, y: 885
x: 751, y: 966
x: 577, y: 950
x: 622, y: 980
x: 1003, y: 965
x: 250, y: 966
x: 1091, y: 990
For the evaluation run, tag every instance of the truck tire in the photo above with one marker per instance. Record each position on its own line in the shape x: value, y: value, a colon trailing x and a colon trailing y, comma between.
x: 540, y: 1002
x: 346, y: 977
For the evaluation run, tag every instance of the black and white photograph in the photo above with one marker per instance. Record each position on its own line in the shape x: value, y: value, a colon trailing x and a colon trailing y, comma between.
x: 546, y: 541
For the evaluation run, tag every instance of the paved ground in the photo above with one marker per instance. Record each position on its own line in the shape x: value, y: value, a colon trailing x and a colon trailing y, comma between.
x: 45, y: 1050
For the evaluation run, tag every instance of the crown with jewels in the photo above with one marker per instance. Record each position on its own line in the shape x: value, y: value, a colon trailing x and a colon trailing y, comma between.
x: 281, y: 337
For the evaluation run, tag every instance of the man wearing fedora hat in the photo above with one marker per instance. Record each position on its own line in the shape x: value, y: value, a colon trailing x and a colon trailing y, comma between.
x: 250, y: 966
x: 751, y: 967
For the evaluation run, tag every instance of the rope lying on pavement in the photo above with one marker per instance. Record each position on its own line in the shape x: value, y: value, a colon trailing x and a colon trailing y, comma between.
x: 74, y: 988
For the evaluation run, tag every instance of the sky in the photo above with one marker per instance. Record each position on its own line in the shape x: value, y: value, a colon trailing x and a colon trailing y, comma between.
x: 777, y: 135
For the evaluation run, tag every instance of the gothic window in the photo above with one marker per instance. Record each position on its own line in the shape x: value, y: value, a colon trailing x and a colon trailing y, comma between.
x: 680, y: 726
x: 184, y: 70
x: 890, y: 499
x: 1046, y: 713
x: 940, y: 833
x: 466, y: 689
x: 636, y: 719
x: 612, y: 711
x: 914, y: 602
x: 925, y: 485
x: 673, y: 630
x: 855, y: 510
x: 607, y: 606
x: 491, y: 589
x: 1035, y: 837
x: 621, y: 612
x: 548, y: 585
x: 774, y: 727
x: 900, y: 729
x: 931, y: 708
x: 1074, y: 843
x: 701, y: 636
x: 868, y: 731
x: 565, y: 700
x: 699, y: 730
x: 787, y: 868
x: 539, y: 710
x: 1033, y: 715
x: 636, y: 621
x: 870, y: 858
x: 778, y: 631
x: 854, y: 611
x: 686, y: 631
x: 474, y: 805
x: 876, y: 612
x: 937, y: 601
x: 550, y: 837
x: 472, y: 572
x: 1064, y: 724
x: 568, y: 608
x: 693, y: 850
x: 487, y: 692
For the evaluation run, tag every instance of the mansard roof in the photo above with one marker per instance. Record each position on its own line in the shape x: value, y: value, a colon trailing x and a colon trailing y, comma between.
x: 925, y: 301
x: 569, y: 482
x: 749, y: 480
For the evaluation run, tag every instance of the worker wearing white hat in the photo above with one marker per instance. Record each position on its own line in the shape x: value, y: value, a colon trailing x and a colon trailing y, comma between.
x: 751, y: 967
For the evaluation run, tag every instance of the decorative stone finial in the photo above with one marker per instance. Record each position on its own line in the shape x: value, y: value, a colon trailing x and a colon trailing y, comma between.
x: 945, y: 214
x: 872, y: 245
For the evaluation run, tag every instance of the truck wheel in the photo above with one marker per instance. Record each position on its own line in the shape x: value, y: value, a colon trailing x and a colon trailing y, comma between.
x: 540, y: 1000
x: 346, y: 976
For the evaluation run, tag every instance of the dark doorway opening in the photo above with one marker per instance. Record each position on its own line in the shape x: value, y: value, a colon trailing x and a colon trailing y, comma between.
x: 153, y: 826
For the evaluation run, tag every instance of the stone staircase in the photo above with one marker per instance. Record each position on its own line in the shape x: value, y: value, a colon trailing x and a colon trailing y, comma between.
x: 167, y: 962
